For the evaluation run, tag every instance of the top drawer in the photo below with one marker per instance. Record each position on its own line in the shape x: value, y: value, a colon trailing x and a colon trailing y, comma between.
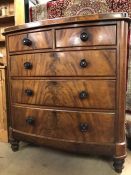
x: 86, y: 36
x: 29, y: 41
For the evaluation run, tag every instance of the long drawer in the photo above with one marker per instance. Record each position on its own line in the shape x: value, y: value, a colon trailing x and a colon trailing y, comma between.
x: 67, y: 125
x: 86, y: 36
x: 65, y: 93
x: 31, y: 40
x: 74, y: 63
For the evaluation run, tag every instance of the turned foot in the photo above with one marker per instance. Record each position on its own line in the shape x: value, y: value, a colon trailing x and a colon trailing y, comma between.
x: 118, y: 165
x: 14, y: 145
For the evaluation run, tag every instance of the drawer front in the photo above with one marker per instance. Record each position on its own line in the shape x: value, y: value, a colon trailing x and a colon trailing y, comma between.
x: 78, y: 63
x: 29, y: 41
x: 86, y: 36
x: 78, y: 126
x: 65, y: 93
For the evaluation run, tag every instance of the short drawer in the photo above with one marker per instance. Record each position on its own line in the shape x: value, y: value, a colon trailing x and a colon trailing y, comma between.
x: 67, y: 125
x: 86, y: 36
x: 74, y: 63
x: 31, y: 40
x: 98, y: 94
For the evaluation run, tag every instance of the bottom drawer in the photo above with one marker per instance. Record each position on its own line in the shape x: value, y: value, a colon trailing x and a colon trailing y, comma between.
x: 68, y: 125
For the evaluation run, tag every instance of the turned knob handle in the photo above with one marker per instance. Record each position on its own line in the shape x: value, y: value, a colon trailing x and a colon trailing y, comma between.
x: 83, y: 63
x: 30, y: 120
x: 28, y: 92
x: 84, y: 36
x: 27, y: 65
x: 83, y: 127
x: 83, y: 95
x: 27, y: 42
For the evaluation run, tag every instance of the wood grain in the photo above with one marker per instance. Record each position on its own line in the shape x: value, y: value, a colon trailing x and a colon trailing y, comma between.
x: 101, y: 93
x: 58, y: 84
x: 65, y: 125
x: 98, y: 35
x: 40, y: 40
x: 99, y: 63
x: 107, y: 17
x: 88, y: 148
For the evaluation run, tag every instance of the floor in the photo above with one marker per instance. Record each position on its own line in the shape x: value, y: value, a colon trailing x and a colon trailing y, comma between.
x: 34, y: 160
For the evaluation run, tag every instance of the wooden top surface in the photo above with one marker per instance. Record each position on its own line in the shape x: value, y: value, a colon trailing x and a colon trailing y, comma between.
x: 71, y: 20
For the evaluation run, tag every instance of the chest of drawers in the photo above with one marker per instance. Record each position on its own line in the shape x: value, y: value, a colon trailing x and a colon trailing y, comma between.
x: 67, y: 83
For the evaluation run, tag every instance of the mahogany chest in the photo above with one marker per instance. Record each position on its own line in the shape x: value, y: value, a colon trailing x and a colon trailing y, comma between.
x: 67, y: 84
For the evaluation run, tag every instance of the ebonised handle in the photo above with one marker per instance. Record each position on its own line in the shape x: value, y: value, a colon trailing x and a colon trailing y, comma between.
x: 84, y: 36
x: 28, y: 92
x: 27, y: 65
x: 83, y: 95
x: 83, y: 63
x: 83, y: 127
x: 30, y: 120
x: 27, y: 42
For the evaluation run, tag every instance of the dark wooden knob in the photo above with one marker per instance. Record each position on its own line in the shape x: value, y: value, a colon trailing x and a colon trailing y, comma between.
x: 83, y: 127
x: 83, y: 95
x: 27, y: 65
x: 27, y: 42
x: 28, y: 92
x: 83, y: 63
x: 30, y: 120
x: 84, y: 36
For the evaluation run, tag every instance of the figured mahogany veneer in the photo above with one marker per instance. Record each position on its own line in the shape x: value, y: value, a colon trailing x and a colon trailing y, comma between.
x: 96, y: 35
x: 16, y: 41
x: 65, y: 63
x: 65, y: 124
x: 67, y: 84
x: 62, y: 93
